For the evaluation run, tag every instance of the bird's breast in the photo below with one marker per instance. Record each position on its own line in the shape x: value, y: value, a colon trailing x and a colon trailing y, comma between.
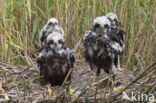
x: 90, y: 51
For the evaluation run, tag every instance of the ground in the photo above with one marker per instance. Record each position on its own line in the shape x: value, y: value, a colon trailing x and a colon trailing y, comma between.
x: 22, y: 84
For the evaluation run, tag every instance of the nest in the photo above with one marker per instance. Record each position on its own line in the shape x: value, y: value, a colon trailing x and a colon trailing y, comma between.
x: 22, y: 84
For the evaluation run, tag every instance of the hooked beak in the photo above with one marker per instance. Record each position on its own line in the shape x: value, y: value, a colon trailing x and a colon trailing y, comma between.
x: 116, y: 22
x: 55, y: 44
x: 102, y: 27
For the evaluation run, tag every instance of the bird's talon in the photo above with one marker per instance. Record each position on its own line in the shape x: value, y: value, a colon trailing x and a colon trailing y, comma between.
x: 120, y: 69
x: 72, y: 92
x: 93, y: 87
x: 50, y: 91
x: 117, y: 88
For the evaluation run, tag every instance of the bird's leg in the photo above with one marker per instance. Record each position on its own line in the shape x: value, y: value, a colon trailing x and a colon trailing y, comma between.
x: 95, y: 74
x: 70, y: 90
x: 96, y: 77
x: 98, y: 72
x: 112, y: 78
x: 49, y: 90
x: 94, y: 69
x: 119, y: 68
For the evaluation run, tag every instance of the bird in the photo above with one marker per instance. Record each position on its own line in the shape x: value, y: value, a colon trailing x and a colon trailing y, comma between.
x: 51, y: 26
x: 101, y: 49
x: 113, y: 20
x: 117, y: 33
x: 55, y: 60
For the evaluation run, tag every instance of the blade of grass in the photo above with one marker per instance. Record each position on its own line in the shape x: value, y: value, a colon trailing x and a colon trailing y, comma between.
x: 35, y: 23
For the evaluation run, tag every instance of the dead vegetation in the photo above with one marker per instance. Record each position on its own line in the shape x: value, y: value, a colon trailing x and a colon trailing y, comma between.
x: 22, y: 84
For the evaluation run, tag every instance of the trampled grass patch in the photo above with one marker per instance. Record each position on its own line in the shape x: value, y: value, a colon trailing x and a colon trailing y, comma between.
x: 22, y: 20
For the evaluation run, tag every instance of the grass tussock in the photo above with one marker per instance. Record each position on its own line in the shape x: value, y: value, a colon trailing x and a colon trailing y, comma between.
x: 22, y: 20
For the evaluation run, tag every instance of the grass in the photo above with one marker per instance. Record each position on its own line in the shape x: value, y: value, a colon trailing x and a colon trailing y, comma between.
x: 22, y: 20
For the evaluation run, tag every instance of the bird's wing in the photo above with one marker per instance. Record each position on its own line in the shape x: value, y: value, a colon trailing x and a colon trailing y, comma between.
x: 89, y: 37
x: 116, y: 43
x: 43, y: 55
x: 62, y: 31
x: 71, y: 56
x: 43, y: 32
x: 86, y: 35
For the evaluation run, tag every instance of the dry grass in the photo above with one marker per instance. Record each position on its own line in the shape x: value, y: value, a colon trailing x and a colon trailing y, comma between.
x: 21, y: 21
x: 21, y: 84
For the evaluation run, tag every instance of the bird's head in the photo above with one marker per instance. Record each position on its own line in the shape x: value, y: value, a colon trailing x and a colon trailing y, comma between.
x: 52, y: 22
x: 112, y: 18
x: 55, y: 41
x: 101, y: 24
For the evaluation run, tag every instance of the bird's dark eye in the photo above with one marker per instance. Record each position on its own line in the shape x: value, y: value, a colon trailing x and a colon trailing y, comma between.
x: 55, y: 23
x: 51, y: 42
x: 50, y: 23
x: 60, y: 41
x: 97, y: 26
x: 106, y: 26
x: 115, y: 20
x: 109, y: 19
